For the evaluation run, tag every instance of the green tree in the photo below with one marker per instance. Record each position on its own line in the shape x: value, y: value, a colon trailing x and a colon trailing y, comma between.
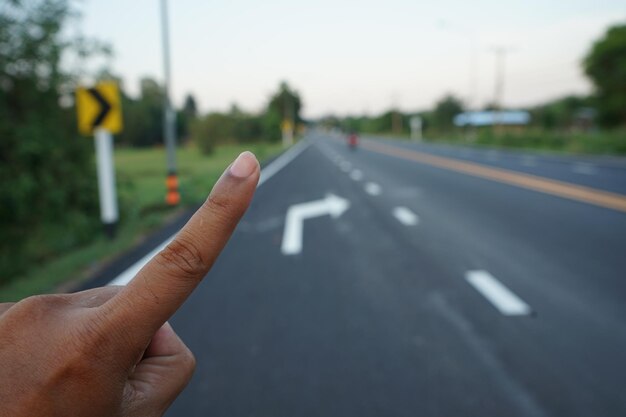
x: 285, y: 104
x: 186, y: 117
x: 143, y: 117
x: 445, y: 110
x: 48, y: 199
x: 190, y: 108
x: 605, y: 65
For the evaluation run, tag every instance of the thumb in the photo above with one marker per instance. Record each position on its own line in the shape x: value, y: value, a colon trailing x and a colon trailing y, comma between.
x: 160, y: 376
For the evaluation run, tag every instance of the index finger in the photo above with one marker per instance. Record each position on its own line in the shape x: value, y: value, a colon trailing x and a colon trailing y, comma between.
x: 165, y: 282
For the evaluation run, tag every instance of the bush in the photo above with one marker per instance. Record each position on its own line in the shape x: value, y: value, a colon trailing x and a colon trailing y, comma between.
x: 220, y: 128
x: 48, y: 198
x: 600, y: 142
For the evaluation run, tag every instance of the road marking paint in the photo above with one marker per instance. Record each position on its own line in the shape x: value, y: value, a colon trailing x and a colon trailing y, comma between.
x: 372, y: 188
x: 282, y: 161
x: 405, y: 216
x: 346, y: 166
x: 298, y: 213
x: 584, y: 168
x: 562, y: 189
x: 484, y: 352
x: 356, y: 175
x: 266, y: 173
x: 497, y: 294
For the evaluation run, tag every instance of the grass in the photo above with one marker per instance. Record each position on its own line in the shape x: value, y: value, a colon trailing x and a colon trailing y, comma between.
x: 599, y: 143
x: 141, y: 189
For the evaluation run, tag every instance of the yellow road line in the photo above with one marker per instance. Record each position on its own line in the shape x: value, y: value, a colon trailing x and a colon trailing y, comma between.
x: 532, y: 182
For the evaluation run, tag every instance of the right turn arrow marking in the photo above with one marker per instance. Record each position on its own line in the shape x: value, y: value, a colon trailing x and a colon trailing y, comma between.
x: 296, y: 214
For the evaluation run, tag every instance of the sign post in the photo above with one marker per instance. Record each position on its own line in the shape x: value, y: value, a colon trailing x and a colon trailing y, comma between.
x: 99, y: 114
x: 287, y: 129
x: 172, y: 196
x: 106, y: 180
x: 416, y: 128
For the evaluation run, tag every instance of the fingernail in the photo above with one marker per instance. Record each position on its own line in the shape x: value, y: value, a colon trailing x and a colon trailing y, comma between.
x: 244, y: 165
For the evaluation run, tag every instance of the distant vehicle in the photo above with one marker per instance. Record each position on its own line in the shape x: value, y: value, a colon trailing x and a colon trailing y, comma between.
x: 353, y: 140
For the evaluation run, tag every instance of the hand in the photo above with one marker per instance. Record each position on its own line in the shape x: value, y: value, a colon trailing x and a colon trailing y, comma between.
x: 110, y: 351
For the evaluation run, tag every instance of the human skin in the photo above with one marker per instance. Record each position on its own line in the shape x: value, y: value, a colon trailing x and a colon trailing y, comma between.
x: 110, y: 351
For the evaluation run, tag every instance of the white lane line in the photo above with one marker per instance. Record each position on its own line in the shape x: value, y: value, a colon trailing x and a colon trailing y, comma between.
x: 405, y: 216
x: 282, y: 161
x: 356, y: 175
x: 266, y: 173
x: 584, y: 168
x: 497, y: 294
x: 373, y: 189
x: 346, y: 166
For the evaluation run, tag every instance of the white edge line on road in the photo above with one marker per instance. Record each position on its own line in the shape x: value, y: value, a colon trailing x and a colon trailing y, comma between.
x: 282, y: 161
x: 497, y: 294
x: 266, y: 173
x: 405, y: 216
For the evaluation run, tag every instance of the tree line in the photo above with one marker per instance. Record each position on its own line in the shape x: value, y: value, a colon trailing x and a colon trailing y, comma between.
x: 143, y: 119
x: 605, y: 108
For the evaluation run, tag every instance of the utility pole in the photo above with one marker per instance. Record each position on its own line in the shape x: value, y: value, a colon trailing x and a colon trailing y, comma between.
x: 288, y: 124
x: 500, y: 53
x: 169, y: 116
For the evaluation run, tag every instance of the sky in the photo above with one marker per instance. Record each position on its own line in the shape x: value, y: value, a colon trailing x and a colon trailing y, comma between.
x: 355, y: 57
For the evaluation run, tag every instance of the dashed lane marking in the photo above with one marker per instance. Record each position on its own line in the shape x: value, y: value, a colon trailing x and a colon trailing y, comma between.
x: 497, y: 294
x: 372, y: 188
x: 405, y: 216
x: 356, y: 175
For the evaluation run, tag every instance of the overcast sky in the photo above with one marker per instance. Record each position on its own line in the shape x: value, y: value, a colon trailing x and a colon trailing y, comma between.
x: 355, y: 56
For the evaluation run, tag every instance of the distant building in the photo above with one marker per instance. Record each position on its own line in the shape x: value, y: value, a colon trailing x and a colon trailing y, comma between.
x: 478, y: 119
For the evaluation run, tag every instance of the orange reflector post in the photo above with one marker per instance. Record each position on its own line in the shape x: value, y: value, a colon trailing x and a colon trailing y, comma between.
x: 172, y: 198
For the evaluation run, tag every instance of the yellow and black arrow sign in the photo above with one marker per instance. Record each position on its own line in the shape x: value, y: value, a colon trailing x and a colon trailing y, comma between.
x: 99, y: 106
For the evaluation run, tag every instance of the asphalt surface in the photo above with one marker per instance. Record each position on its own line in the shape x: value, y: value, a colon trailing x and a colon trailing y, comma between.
x: 376, y: 316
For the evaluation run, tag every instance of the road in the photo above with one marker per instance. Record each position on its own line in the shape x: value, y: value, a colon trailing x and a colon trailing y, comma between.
x: 452, y: 283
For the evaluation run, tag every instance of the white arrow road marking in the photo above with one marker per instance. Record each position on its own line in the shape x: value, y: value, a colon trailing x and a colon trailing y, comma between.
x: 500, y: 296
x: 372, y: 188
x: 298, y: 213
x: 405, y: 216
x: 356, y: 175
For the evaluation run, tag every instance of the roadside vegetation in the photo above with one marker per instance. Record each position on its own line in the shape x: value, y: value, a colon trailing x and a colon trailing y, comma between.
x: 49, y: 212
x: 140, y: 174
x: 595, y: 123
x: 612, y: 142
